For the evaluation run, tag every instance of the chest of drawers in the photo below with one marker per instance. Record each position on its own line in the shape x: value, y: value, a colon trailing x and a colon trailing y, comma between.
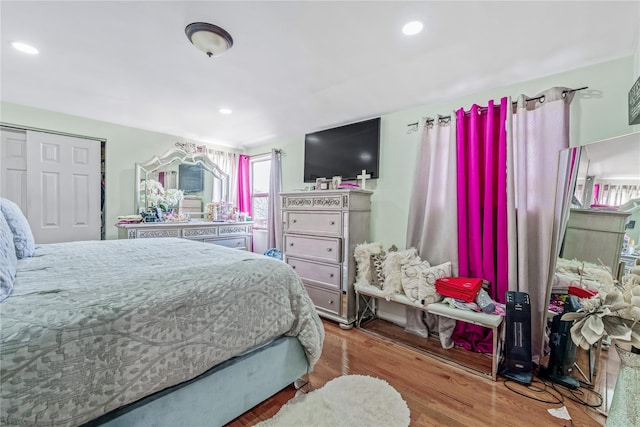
x: 320, y: 231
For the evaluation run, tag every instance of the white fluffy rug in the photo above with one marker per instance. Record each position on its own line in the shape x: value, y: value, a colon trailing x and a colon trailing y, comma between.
x: 351, y: 400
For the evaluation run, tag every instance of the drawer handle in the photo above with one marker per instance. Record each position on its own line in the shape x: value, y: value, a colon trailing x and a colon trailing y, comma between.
x: 295, y: 220
x: 330, y: 301
x: 290, y: 244
x: 293, y: 266
x: 329, y: 249
x: 331, y: 275
x: 332, y: 223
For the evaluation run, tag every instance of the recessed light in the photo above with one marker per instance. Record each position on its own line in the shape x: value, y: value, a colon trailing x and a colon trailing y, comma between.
x: 225, y: 111
x: 412, y: 28
x: 25, y: 48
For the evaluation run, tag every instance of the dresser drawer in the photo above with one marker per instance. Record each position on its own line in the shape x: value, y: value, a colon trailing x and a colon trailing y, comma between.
x: 234, y: 242
x: 316, y: 272
x: 329, y: 223
x: 325, y: 299
x: 321, y: 248
x: 151, y: 233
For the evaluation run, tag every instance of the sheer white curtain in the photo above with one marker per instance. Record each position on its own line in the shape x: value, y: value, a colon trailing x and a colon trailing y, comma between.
x: 228, y: 162
x: 540, y: 132
x: 274, y: 224
x: 432, y: 228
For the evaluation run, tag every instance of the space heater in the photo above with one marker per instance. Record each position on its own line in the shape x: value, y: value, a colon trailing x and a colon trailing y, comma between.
x: 517, y: 361
x: 563, y: 350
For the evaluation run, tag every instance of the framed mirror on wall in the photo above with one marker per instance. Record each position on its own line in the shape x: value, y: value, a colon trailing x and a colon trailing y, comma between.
x: 199, y: 180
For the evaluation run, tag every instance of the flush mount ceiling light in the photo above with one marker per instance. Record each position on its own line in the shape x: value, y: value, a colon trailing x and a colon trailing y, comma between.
x: 412, y: 28
x: 225, y: 111
x: 209, y: 38
x: 25, y: 48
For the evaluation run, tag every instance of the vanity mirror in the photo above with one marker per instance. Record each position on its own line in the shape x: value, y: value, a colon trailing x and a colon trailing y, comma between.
x: 200, y: 180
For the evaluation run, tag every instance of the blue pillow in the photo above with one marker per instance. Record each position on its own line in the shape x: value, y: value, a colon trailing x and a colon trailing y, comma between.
x: 8, y: 259
x: 22, y: 235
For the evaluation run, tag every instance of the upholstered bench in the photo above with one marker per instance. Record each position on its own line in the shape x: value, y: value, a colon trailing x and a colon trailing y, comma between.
x: 368, y: 294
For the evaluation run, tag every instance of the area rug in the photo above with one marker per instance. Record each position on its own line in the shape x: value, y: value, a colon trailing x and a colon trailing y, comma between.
x: 350, y: 400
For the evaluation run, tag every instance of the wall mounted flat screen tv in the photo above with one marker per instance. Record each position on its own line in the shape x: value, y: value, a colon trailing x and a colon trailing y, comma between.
x: 343, y: 151
x: 191, y: 178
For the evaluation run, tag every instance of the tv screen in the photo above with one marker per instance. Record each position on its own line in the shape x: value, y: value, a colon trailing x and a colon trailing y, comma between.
x: 191, y: 178
x: 343, y: 151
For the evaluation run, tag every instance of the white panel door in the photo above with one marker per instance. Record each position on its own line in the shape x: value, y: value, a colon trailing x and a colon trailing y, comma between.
x: 63, y: 174
x: 13, y: 166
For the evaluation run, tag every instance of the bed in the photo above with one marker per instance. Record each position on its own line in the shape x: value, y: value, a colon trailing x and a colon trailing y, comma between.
x: 581, y: 274
x: 150, y: 332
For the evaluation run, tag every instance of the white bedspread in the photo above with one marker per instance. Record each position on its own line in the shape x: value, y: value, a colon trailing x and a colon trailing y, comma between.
x: 92, y: 326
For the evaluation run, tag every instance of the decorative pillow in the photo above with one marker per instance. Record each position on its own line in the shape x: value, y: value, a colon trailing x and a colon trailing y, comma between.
x: 377, y: 275
x: 412, y: 274
x: 392, y: 268
x: 363, y: 254
x: 8, y: 259
x: 22, y: 235
x: 427, y: 287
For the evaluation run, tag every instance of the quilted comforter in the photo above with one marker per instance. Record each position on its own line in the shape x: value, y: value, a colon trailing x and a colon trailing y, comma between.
x: 92, y: 326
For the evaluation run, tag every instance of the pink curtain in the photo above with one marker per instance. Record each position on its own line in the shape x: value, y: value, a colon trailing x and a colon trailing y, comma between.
x: 481, y: 141
x: 244, y: 184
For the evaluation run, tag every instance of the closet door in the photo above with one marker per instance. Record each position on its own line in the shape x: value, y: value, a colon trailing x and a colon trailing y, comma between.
x: 13, y: 167
x: 63, y: 176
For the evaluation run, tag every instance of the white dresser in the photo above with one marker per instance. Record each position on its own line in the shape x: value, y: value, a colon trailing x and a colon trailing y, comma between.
x: 320, y: 231
x: 595, y: 235
x: 235, y: 235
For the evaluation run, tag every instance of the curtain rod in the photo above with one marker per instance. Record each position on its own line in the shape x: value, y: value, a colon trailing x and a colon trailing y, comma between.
x: 277, y: 150
x: 445, y: 119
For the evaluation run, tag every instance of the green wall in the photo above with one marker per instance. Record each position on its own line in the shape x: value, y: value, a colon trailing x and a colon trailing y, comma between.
x: 597, y: 113
x: 125, y: 146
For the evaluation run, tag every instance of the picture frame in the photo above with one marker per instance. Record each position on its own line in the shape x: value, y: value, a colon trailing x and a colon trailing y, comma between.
x: 322, y: 184
x: 335, y: 182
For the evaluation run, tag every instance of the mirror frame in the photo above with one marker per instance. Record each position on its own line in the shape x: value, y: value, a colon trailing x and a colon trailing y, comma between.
x: 177, y: 156
x: 570, y: 160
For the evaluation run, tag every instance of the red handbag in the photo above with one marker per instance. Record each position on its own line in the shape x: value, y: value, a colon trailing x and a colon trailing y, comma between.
x: 464, y: 288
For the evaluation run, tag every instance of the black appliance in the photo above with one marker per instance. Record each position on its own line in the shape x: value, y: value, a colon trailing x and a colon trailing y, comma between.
x: 517, y: 362
x: 191, y: 178
x: 343, y: 151
x: 563, y: 351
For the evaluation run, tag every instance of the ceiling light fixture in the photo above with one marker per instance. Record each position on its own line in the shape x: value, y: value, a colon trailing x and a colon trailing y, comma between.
x: 225, y: 111
x: 25, y: 48
x: 209, y: 38
x: 412, y: 28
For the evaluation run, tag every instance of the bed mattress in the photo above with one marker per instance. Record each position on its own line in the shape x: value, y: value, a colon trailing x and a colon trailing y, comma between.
x: 93, y: 326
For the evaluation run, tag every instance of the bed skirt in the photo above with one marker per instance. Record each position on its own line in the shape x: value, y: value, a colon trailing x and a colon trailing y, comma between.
x: 220, y: 394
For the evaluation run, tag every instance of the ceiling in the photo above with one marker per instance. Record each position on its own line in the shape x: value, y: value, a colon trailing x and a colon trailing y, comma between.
x: 295, y: 67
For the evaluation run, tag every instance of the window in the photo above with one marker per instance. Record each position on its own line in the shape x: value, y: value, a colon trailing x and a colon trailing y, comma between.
x: 260, y: 172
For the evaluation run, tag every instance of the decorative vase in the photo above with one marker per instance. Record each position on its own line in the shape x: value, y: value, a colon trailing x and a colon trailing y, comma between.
x: 625, y: 410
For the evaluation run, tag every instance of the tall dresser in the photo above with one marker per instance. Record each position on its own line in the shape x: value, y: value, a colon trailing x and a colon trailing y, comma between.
x: 596, y: 236
x: 320, y: 231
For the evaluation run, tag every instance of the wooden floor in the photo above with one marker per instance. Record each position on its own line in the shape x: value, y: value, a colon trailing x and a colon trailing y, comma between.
x: 437, y: 394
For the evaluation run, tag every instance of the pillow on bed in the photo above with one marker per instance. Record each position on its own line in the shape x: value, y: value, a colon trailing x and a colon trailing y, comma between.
x: 22, y: 235
x: 8, y: 259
